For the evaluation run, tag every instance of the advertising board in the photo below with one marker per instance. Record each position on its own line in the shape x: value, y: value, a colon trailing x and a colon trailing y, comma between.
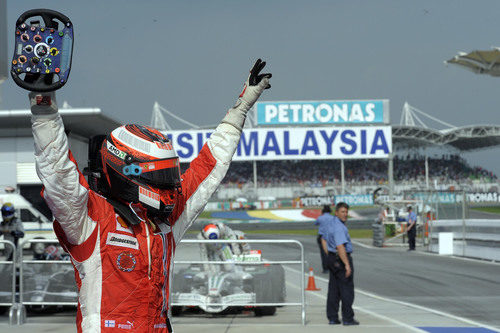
x: 360, y: 112
x: 298, y: 143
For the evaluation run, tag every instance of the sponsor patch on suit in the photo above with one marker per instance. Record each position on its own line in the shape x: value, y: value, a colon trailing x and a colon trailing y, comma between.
x: 122, y: 226
x: 122, y: 240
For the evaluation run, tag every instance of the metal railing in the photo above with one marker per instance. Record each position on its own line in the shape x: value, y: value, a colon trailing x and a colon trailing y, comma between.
x: 23, y: 262
x: 301, y: 262
x: 12, y: 296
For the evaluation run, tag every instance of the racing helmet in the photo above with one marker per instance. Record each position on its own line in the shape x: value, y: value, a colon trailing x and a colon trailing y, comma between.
x: 52, y: 252
x: 8, y: 211
x: 211, y: 231
x: 140, y: 165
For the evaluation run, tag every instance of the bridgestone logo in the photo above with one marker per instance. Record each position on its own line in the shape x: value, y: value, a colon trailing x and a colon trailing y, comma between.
x: 122, y: 240
x: 125, y: 241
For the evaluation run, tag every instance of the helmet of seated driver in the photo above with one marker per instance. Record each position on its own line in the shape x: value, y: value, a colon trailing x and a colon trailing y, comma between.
x: 140, y: 165
x: 8, y: 211
x: 211, y: 231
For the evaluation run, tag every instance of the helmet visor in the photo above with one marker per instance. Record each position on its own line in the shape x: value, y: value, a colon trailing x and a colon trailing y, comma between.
x: 162, y: 174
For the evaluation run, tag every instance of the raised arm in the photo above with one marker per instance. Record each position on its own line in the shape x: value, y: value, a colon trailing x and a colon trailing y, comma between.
x: 208, y: 169
x: 65, y: 188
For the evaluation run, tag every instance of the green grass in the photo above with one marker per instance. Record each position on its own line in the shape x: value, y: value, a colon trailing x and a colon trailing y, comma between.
x: 355, y: 233
x: 205, y: 215
x: 208, y: 214
x: 489, y: 209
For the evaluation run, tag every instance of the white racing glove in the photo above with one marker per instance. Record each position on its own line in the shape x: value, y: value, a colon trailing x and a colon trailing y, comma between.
x: 253, y: 88
x: 43, y: 104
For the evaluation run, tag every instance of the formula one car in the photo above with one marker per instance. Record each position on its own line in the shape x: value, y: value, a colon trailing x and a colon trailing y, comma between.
x: 236, y: 288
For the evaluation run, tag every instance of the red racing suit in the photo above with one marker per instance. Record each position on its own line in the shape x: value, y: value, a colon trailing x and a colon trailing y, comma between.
x: 123, y: 272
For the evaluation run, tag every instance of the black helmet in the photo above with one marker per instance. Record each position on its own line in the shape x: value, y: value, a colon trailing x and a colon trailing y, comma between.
x: 8, y: 211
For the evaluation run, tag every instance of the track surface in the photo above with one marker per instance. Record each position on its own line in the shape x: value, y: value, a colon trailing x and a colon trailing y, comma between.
x: 467, y: 289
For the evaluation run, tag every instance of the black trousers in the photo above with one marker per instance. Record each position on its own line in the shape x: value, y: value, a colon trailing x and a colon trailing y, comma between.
x: 340, y: 289
x: 412, y: 235
x: 324, y: 256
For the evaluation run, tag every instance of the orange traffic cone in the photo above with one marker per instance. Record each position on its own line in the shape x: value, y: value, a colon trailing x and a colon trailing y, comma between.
x: 311, y: 284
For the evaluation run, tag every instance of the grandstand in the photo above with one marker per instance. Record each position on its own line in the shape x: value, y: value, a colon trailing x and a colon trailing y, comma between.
x: 409, y: 168
x: 414, y: 167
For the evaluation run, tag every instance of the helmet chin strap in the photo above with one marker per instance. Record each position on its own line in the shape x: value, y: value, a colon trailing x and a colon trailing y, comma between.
x: 158, y: 216
x: 124, y: 211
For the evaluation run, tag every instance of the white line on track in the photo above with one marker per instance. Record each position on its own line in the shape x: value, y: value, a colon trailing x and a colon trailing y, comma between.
x: 437, y: 312
x: 393, y: 321
x: 366, y: 246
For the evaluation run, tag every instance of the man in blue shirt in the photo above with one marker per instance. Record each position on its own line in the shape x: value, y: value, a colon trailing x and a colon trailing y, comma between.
x: 411, y: 228
x: 324, y: 219
x: 337, y: 243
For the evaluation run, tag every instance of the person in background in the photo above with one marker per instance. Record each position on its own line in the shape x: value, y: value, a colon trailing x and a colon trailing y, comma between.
x: 382, y: 215
x: 341, y: 284
x: 220, y: 251
x: 11, y: 228
x: 411, y: 228
x: 325, y: 218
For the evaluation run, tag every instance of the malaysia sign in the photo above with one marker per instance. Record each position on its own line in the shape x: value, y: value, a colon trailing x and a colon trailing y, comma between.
x: 323, y: 112
x: 295, y: 143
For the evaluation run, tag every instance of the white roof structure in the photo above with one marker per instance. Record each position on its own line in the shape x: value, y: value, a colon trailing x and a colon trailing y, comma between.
x: 479, y: 62
x: 85, y: 122
x: 413, y: 132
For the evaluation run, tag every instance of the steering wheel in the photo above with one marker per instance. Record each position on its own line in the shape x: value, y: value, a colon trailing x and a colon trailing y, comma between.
x: 43, y: 50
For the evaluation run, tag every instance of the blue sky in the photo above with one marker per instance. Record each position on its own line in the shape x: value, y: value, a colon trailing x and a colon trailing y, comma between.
x: 193, y: 56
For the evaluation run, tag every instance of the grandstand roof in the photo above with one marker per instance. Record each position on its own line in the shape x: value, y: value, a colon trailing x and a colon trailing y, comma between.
x: 85, y: 122
x: 463, y: 138
x: 413, y: 132
x: 479, y: 61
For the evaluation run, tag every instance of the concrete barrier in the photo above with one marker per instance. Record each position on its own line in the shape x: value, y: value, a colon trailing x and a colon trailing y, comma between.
x: 476, y: 238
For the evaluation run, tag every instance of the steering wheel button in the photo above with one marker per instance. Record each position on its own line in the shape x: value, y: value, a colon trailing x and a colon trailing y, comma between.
x: 25, y: 37
x: 22, y: 59
x: 28, y: 48
x: 61, y: 33
x: 47, y: 62
x: 33, y: 28
x: 42, y: 29
x: 47, y: 71
x: 57, y: 70
x: 54, y: 51
x: 14, y: 62
x: 37, y: 38
x: 18, y: 32
x: 41, y: 50
x: 22, y: 26
x: 35, y: 60
x: 19, y: 70
x: 49, y: 40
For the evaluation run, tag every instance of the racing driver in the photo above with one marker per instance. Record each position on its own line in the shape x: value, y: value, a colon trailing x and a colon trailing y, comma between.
x: 122, y: 233
x: 220, y: 251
